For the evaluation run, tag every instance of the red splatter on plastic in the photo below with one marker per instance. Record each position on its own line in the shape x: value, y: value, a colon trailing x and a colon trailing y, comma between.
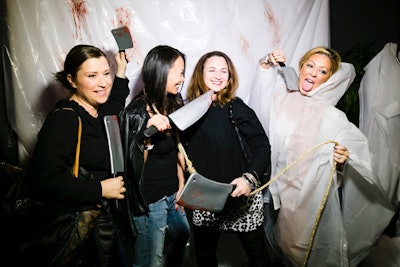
x: 123, y: 16
x: 273, y: 23
x: 245, y: 45
x: 79, y: 11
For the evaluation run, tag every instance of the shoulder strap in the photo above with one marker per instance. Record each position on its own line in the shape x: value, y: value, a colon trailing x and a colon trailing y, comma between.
x: 243, y: 145
x: 75, y: 167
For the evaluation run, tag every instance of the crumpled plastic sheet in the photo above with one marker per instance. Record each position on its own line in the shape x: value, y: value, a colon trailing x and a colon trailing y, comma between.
x: 41, y: 32
x: 380, y: 117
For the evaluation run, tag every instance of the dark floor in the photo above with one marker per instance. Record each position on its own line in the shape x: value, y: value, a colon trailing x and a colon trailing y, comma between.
x: 230, y: 253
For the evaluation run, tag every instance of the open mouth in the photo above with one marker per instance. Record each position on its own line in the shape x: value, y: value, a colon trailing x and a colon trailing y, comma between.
x: 307, y: 85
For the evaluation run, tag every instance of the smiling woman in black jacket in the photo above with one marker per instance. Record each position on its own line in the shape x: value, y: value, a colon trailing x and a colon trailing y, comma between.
x: 93, y: 94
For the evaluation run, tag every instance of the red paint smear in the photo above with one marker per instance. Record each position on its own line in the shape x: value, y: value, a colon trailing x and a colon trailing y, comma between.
x: 273, y: 23
x: 198, y: 198
x: 124, y: 16
x: 79, y: 11
x: 245, y: 45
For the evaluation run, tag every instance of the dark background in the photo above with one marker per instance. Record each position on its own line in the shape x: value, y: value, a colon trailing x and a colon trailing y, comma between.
x: 359, y: 29
x: 364, y: 21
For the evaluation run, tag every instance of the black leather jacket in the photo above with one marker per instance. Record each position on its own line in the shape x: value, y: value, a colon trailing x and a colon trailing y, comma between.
x: 132, y: 121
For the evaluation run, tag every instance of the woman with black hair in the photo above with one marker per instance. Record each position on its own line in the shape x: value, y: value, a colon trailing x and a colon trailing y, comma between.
x: 153, y: 171
x: 92, y: 94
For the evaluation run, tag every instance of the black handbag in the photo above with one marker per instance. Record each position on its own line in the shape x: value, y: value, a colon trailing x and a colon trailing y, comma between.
x: 72, y: 229
x: 16, y: 201
x: 57, y: 242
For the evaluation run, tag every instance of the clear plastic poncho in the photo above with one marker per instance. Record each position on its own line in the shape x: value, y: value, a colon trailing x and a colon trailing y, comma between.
x: 380, y: 117
x: 351, y: 222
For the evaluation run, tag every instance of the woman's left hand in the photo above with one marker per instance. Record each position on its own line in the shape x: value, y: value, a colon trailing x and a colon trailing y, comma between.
x: 241, y: 187
x: 340, y: 154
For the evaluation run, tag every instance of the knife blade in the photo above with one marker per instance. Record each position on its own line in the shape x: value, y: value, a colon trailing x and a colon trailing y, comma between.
x: 290, y: 77
x: 187, y: 114
x: 114, y: 144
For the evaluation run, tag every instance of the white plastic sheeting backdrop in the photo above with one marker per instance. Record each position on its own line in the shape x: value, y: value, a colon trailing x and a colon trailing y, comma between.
x: 41, y: 32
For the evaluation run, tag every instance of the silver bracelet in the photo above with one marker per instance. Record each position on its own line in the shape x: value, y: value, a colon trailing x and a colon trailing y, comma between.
x: 265, y: 60
x: 250, y: 184
x: 251, y: 178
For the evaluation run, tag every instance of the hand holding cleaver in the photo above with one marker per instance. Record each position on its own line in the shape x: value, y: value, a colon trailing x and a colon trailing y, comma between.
x: 187, y: 114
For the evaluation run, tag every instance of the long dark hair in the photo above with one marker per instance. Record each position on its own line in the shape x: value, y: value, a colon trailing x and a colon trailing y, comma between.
x: 155, y: 71
x: 75, y: 58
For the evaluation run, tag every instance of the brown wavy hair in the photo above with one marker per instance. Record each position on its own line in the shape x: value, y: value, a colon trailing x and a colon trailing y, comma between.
x: 197, y: 86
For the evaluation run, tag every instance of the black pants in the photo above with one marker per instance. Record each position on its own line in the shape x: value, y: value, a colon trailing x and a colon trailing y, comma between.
x: 206, y: 245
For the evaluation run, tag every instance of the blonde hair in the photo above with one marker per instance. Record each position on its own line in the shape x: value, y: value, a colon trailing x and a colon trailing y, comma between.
x: 330, y: 53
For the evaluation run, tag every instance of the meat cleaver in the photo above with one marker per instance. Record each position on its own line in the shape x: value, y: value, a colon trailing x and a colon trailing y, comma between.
x: 123, y: 37
x: 290, y: 77
x: 188, y: 114
x: 114, y: 146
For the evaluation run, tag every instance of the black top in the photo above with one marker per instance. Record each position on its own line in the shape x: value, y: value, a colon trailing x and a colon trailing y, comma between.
x: 160, y: 170
x: 150, y: 181
x: 54, y: 154
x: 213, y: 147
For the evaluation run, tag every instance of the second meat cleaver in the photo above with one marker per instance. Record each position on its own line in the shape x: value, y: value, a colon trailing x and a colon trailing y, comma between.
x: 123, y: 37
x: 290, y: 76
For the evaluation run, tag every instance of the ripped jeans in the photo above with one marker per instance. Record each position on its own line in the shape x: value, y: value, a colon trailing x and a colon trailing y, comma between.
x: 164, y: 231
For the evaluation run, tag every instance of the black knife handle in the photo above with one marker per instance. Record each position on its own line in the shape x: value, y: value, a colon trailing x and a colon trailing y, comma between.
x: 281, y: 64
x: 149, y: 132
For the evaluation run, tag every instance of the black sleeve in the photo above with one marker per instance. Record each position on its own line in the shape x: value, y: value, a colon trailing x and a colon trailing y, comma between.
x: 117, y: 98
x: 252, y: 131
x: 50, y: 170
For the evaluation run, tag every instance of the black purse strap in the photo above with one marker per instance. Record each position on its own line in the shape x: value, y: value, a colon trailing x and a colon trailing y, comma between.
x: 243, y: 146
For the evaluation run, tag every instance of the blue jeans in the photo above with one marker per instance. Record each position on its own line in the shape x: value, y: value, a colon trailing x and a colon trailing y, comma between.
x: 163, y: 230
